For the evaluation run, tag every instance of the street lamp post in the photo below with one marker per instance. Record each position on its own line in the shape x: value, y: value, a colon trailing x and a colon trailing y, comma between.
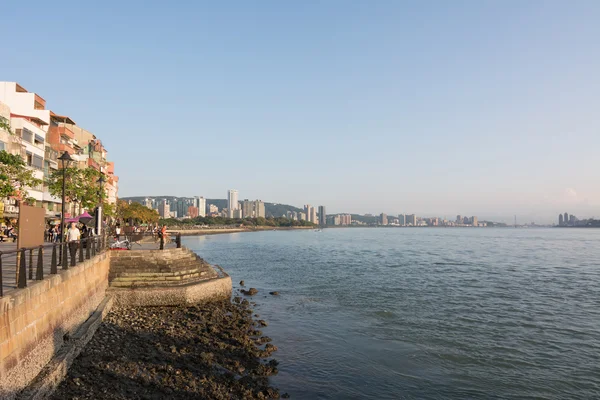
x: 99, y: 211
x: 65, y: 160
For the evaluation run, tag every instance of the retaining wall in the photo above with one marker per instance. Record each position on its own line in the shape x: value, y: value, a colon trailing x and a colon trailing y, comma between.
x: 35, y: 321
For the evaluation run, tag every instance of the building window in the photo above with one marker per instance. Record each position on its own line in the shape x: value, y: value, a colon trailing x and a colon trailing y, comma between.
x: 38, y: 162
x: 29, y: 159
x: 39, y: 140
x: 2, y: 146
x: 27, y: 135
x: 50, y: 206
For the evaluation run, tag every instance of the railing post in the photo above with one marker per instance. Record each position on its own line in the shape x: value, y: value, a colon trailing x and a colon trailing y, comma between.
x: 65, y: 256
x: 30, y: 264
x: 88, y: 244
x: 162, y: 243
x: 80, y: 250
x: 53, y: 261
x: 93, y: 245
x: 1, y: 283
x: 39, y: 273
x: 178, y: 240
x: 22, y: 275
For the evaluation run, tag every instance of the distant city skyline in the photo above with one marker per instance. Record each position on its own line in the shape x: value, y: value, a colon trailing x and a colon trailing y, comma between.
x: 445, y: 108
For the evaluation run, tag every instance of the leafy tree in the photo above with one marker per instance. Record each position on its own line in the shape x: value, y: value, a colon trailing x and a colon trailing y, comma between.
x: 15, y: 177
x: 136, y: 212
x: 81, y: 186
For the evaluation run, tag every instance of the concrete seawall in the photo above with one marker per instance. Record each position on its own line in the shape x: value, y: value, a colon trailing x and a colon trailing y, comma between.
x: 36, y: 321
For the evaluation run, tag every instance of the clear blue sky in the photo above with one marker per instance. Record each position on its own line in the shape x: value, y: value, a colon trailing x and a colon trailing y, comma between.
x: 440, y: 107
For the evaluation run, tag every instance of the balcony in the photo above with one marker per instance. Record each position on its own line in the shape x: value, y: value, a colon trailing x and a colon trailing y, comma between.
x: 62, y: 147
x: 64, y: 131
x: 50, y: 154
x: 39, y: 103
x: 93, y: 164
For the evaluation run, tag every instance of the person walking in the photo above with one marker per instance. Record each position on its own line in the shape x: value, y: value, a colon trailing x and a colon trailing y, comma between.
x: 118, y: 232
x: 73, y: 235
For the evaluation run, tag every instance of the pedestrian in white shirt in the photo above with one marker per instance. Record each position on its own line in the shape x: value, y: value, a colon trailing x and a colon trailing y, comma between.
x: 73, y: 235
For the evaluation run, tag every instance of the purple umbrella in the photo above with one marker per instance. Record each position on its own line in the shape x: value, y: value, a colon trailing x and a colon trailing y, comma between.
x: 84, y: 218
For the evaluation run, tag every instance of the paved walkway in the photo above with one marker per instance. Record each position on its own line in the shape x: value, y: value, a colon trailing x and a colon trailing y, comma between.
x: 9, y: 261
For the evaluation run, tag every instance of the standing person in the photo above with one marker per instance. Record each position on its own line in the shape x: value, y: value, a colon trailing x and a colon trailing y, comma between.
x: 55, y: 234
x: 118, y: 231
x: 73, y: 235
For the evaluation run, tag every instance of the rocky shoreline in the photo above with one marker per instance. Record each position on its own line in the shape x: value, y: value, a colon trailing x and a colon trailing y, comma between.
x: 212, y: 351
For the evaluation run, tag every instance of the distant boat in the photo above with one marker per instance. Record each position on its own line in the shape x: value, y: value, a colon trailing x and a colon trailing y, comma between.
x: 318, y: 230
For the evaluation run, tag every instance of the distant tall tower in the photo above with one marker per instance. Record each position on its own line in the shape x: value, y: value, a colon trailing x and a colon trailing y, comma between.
x: 232, y: 200
x: 164, y: 209
x: 200, y: 202
x: 560, y: 220
x: 383, y: 219
x: 311, y: 213
x: 322, y: 216
x: 566, y: 221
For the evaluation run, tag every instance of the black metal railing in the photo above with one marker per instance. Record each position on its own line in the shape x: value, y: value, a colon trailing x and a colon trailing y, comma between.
x: 17, y: 266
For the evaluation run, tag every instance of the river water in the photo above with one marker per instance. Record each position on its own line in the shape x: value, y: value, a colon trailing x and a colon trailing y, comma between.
x: 424, y: 313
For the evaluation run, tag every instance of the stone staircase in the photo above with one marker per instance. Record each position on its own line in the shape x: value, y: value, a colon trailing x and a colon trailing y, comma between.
x: 157, y: 268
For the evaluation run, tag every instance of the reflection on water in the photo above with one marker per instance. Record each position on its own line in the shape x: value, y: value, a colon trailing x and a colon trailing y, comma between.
x: 425, y: 313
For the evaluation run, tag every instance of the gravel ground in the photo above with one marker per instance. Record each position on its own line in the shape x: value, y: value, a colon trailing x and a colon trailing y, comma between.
x: 210, y: 351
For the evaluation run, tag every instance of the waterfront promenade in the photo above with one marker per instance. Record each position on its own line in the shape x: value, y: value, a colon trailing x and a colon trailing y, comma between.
x: 9, y: 261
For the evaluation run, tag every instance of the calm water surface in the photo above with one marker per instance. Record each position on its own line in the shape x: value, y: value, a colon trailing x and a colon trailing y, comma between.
x: 425, y: 313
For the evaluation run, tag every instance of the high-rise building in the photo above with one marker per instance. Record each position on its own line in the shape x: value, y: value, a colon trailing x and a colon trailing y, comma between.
x: 401, y: 219
x: 411, y: 220
x: 181, y: 207
x: 301, y: 216
x: 466, y: 221
x: 560, y: 220
x: 232, y: 200
x: 200, y: 203
x: 322, y: 216
x: 474, y: 221
x: 572, y: 219
x: 192, y: 211
x: 459, y: 219
x: 566, y: 216
x: 253, y: 209
x: 213, y: 209
x: 311, y: 213
x: 345, y: 219
x: 164, y: 210
x: 247, y: 209
x: 201, y: 207
x: 383, y: 219
x: 148, y: 203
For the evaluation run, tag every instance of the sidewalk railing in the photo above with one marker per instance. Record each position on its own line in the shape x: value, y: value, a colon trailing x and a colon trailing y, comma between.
x: 34, y: 263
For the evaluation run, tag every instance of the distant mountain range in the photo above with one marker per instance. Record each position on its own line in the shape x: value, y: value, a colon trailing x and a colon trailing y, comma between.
x: 271, y: 209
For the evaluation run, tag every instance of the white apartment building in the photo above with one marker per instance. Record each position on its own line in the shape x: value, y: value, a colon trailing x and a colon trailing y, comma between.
x: 232, y: 202
x: 29, y: 122
x: 200, y: 203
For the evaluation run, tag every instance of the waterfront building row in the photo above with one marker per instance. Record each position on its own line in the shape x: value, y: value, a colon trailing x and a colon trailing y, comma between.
x: 40, y: 136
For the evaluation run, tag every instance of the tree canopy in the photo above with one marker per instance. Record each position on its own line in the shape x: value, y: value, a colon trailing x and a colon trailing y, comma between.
x: 15, y: 177
x: 136, y: 212
x: 81, y: 186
